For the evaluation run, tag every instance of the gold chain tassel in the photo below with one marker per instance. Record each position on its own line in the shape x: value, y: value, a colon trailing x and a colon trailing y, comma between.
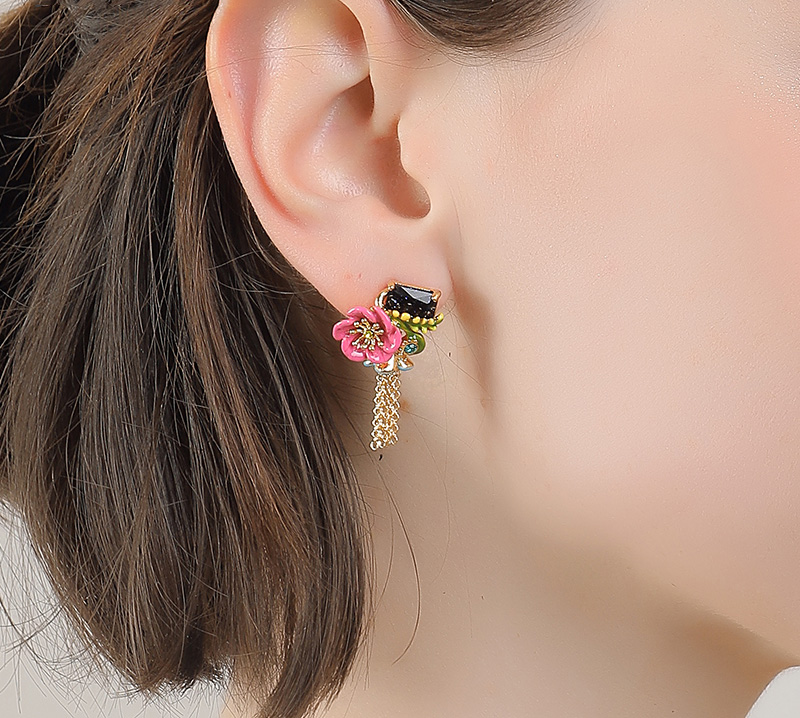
x: 386, y: 413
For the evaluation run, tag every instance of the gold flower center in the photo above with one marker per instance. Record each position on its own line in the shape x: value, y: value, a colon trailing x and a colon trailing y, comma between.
x: 368, y: 334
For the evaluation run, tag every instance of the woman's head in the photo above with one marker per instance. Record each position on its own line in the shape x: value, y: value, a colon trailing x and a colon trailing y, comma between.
x: 612, y: 212
x: 603, y: 191
x: 167, y: 406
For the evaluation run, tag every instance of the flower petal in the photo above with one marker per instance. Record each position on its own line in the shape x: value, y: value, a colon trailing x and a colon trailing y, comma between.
x: 373, y: 314
x: 358, y: 312
x: 341, y: 328
x: 393, y: 338
x: 379, y: 355
x: 381, y: 317
x: 392, y: 334
x: 351, y: 352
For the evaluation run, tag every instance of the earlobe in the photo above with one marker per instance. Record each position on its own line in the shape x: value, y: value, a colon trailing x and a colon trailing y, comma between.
x: 309, y: 114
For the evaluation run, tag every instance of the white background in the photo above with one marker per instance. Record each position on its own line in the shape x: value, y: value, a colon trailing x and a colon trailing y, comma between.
x: 48, y: 677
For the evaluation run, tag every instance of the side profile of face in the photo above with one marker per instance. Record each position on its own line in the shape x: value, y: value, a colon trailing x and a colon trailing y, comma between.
x: 631, y: 238
x: 614, y: 222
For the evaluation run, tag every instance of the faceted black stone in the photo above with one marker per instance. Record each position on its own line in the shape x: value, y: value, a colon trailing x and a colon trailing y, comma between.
x: 414, y: 300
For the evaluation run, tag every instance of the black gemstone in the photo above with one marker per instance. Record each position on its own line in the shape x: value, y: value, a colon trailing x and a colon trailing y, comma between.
x: 416, y: 301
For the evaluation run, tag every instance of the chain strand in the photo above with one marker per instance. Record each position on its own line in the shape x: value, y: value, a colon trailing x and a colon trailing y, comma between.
x: 386, y: 413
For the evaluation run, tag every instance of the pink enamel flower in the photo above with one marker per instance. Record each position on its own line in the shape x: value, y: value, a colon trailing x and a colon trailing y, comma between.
x: 368, y: 334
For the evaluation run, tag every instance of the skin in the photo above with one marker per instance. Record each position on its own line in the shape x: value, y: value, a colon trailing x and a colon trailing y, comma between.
x: 598, y: 463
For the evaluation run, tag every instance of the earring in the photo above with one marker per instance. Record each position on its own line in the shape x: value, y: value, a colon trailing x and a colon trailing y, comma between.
x: 385, y: 336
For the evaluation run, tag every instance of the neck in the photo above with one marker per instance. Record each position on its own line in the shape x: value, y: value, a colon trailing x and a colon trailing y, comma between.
x: 511, y: 624
x: 507, y: 620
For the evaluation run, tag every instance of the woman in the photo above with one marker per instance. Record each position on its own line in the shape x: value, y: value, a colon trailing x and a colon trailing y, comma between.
x: 591, y: 506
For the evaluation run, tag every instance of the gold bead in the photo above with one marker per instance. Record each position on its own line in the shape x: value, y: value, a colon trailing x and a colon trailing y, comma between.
x: 395, y: 313
x: 416, y: 320
x: 405, y: 316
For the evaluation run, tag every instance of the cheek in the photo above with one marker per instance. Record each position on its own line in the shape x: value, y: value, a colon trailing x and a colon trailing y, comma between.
x: 643, y: 296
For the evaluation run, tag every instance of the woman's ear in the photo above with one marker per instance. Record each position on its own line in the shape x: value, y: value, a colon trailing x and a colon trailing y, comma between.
x: 309, y: 95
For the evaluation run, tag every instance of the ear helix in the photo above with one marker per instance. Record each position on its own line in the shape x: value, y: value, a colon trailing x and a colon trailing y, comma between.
x: 385, y: 336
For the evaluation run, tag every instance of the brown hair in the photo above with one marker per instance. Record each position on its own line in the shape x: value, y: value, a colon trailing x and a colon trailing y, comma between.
x: 168, y: 432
